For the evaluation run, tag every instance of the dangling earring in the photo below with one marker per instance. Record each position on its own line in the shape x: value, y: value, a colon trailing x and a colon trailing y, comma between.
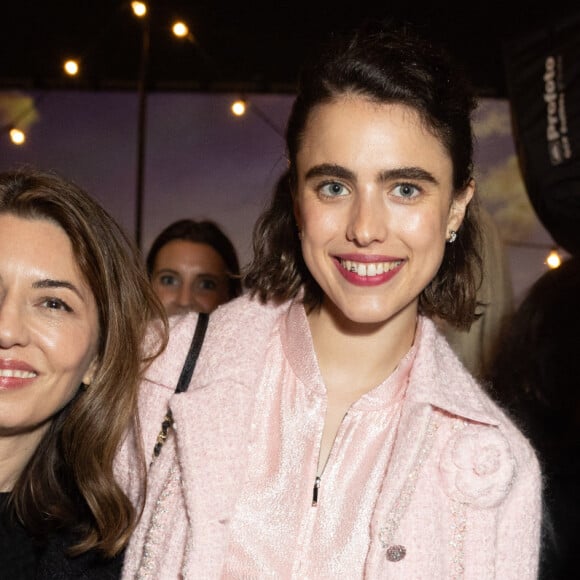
x: 452, y: 236
x: 300, y: 235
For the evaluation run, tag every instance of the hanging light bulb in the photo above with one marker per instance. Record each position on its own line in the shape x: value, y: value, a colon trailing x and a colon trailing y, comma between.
x: 238, y: 107
x: 17, y: 136
x: 71, y: 67
x: 139, y: 9
x: 180, y: 29
x: 554, y: 260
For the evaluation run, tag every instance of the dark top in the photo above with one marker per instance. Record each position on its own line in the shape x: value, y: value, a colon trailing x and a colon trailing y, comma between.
x: 23, y: 558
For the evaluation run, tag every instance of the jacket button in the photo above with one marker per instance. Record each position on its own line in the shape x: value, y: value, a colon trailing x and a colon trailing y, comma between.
x: 396, y: 553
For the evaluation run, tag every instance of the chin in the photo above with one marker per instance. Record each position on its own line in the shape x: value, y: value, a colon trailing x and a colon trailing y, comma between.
x: 364, y: 316
x: 375, y: 312
x: 370, y: 319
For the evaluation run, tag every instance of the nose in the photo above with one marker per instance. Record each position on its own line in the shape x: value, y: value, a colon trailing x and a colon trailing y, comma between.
x: 185, y: 296
x: 13, y: 327
x: 368, y: 219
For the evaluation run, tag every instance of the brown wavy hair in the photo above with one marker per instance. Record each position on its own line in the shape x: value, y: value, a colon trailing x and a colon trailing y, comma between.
x: 68, y: 484
x: 386, y: 63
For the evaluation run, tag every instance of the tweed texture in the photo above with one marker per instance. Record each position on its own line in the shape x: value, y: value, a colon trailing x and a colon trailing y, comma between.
x: 461, y: 497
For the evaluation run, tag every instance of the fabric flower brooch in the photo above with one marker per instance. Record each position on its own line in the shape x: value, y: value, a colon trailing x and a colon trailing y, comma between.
x: 477, y: 466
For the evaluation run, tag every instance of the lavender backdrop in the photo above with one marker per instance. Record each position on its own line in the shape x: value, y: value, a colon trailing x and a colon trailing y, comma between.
x: 203, y: 162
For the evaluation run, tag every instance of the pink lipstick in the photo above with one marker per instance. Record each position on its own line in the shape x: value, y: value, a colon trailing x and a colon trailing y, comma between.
x: 368, y: 270
x: 15, y: 374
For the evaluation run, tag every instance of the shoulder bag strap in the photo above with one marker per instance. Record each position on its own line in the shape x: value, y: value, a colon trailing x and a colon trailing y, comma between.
x: 184, y: 378
x: 194, y: 350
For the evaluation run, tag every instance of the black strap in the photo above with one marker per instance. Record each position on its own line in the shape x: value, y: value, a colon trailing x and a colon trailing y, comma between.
x: 184, y: 379
x: 192, y: 355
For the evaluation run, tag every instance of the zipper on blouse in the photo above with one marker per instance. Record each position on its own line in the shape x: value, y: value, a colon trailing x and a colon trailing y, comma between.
x: 315, y: 491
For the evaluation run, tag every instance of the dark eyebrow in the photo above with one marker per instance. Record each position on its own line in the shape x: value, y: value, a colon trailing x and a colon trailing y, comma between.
x: 48, y: 283
x: 415, y: 173
x: 331, y: 170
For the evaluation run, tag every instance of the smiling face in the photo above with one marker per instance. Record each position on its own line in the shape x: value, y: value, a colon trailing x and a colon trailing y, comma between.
x: 189, y: 276
x: 49, y: 326
x: 375, y: 206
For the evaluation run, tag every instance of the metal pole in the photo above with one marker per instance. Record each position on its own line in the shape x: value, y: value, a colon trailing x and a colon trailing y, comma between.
x: 142, y: 127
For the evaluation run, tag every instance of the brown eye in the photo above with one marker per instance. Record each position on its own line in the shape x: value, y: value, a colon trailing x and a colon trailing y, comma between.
x: 56, y: 304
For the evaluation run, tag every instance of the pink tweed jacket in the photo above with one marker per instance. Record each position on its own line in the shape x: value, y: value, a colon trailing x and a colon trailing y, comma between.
x: 462, y: 495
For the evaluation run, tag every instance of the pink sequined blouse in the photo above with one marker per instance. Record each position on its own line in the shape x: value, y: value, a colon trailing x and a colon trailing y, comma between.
x: 276, y: 531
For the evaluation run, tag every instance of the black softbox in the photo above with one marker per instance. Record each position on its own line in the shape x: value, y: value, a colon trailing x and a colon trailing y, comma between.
x: 543, y: 82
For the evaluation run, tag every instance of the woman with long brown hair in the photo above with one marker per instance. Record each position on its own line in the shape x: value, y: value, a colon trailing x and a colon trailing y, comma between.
x: 74, y: 305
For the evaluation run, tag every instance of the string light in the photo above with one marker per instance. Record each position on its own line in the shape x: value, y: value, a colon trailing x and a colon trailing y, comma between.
x: 241, y: 106
x: 180, y: 29
x: 17, y: 136
x: 554, y: 260
x: 139, y: 9
x: 71, y: 67
x: 238, y: 108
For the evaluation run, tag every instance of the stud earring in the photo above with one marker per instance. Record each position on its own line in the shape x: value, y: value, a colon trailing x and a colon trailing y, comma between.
x: 452, y: 236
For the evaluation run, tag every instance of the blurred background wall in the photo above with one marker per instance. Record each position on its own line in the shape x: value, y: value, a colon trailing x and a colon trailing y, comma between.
x: 201, y: 161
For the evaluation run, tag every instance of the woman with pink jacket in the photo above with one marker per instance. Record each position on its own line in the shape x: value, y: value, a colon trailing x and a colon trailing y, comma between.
x: 329, y: 431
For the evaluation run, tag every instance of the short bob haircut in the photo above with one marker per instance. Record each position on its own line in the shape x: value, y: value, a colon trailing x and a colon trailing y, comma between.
x: 201, y: 232
x: 68, y: 482
x: 386, y: 64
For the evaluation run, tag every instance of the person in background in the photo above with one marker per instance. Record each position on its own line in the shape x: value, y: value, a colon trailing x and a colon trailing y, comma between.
x: 74, y: 295
x: 329, y: 430
x: 193, y: 266
x: 534, y: 375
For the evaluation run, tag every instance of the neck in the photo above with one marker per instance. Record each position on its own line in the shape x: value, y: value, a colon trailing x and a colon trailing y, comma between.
x: 15, y: 452
x: 359, y: 356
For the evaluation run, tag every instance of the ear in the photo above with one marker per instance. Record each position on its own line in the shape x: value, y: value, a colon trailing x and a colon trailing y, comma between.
x: 459, y: 207
x: 90, y: 372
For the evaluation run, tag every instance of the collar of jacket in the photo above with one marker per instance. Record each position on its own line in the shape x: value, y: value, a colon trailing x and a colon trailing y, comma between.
x: 438, y: 378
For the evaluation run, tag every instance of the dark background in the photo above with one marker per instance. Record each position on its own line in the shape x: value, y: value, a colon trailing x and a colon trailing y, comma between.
x: 242, y: 45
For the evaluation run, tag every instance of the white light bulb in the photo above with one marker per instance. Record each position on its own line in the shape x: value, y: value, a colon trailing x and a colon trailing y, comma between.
x: 71, y: 67
x: 238, y: 108
x: 139, y: 8
x: 17, y: 136
x: 554, y: 260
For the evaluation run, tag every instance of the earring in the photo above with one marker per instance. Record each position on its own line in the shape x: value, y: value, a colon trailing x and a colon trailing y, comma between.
x: 452, y: 236
x: 86, y: 383
x: 300, y: 235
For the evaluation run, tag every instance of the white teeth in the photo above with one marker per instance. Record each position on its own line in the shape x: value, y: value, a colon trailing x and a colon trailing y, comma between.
x: 369, y: 269
x: 14, y: 374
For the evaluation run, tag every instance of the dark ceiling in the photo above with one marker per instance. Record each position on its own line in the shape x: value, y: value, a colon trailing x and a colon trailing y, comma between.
x: 239, y: 46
